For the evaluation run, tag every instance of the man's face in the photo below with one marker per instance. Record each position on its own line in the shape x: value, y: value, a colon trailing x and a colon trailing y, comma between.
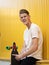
x: 24, y: 18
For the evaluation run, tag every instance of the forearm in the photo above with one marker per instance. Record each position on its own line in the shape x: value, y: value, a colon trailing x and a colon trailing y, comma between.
x: 30, y: 51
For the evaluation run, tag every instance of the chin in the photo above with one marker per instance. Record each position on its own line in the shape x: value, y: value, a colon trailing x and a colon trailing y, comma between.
x: 25, y: 23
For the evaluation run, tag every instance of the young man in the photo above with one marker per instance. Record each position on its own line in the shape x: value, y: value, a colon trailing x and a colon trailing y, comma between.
x: 32, y: 49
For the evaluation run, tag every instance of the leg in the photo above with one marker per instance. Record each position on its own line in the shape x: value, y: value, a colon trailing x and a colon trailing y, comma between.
x: 28, y: 61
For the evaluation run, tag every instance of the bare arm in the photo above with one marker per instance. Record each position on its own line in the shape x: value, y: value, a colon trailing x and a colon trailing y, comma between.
x: 32, y: 49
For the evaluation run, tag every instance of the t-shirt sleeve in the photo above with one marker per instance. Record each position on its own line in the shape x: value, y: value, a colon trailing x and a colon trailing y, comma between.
x: 35, y: 32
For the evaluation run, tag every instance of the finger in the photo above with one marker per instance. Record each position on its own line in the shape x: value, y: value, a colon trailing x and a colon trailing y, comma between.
x: 16, y: 58
x: 14, y: 54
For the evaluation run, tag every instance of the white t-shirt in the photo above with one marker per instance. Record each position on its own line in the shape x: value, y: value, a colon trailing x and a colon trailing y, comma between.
x: 29, y: 34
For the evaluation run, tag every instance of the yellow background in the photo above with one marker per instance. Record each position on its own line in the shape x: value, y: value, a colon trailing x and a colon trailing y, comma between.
x: 11, y: 28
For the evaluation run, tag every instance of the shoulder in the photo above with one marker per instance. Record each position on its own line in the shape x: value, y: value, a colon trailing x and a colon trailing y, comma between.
x: 35, y: 26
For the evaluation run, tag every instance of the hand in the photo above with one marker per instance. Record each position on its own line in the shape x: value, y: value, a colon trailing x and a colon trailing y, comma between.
x: 17, y: 57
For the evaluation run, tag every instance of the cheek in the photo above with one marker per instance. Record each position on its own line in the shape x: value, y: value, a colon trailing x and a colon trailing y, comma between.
x: 22, y: 20
x: 27, y: 19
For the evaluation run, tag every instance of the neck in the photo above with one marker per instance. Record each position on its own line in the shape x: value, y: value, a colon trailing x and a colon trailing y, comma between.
x: 29, y: 24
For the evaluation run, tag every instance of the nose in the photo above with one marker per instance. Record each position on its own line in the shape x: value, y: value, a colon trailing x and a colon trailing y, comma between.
x: 23, y: 18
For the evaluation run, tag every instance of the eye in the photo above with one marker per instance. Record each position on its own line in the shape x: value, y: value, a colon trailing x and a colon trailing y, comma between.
x: 24, y: 16
x: 21, y: 17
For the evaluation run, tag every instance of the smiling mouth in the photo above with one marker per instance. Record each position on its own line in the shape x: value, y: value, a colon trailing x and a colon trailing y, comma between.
x: 24, y: 20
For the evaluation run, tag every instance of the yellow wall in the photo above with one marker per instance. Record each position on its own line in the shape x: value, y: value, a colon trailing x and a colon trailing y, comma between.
x: 11, y: 29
